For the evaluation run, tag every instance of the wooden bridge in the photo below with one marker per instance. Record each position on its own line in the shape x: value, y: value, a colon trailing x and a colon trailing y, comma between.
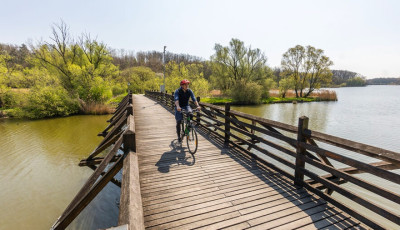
x: 228, y: 183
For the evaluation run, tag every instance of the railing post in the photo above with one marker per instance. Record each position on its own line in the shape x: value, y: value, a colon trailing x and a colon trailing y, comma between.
x: 130, y: 98
x: 301, y: 152
x: 129, y: 138
x: 198, y: 119
x: 173, y: 102
x: 129, y: 108
x: 227, y: 123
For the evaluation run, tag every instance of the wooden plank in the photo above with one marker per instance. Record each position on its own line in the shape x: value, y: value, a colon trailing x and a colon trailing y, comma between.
x: 355, y: 163
x: 308, y: 220
x: 131, y: 207
x: 368, y: 204
x: 381, y: 164
x: 279, y: 125
x: 368, y: 150
x: 362, y: 183
x: 316, y: 212
x: 268, y: 213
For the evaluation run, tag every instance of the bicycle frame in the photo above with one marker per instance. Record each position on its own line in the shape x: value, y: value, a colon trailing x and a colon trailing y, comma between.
x: 186, y: 127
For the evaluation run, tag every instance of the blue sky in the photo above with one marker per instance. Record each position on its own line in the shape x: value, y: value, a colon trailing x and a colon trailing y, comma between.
x: 361, y: 36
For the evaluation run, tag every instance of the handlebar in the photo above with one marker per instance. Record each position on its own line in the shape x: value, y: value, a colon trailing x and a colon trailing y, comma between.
x: 194, y: 110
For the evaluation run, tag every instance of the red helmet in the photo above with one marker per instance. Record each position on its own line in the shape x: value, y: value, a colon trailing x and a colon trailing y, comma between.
x: 185, y: 82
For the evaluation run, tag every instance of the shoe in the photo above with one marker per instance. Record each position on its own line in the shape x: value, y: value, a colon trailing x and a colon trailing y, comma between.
x: 179, y: 140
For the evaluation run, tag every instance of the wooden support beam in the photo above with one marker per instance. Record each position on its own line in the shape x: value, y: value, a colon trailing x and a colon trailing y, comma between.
x: 93, y: 178
x: 83, y: 201
x: 113, y: 180
x: 131, y: 208
x: 96, y: 161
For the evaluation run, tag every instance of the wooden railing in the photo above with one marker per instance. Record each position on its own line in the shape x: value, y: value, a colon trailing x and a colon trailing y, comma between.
x: 300, y: 150
x: 119, y: 135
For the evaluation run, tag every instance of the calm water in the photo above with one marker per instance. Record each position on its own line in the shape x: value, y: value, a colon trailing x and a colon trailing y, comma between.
x: 369, y: 115
x: 39, y: 175
x: 39, y: 172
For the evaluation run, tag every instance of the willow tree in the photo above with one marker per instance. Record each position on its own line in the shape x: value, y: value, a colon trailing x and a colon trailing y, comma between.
x: 308, y: 67
x: 237, y: 63
x: 84, y: 68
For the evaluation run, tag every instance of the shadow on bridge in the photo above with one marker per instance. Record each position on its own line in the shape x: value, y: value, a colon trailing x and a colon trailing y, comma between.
x: 305, y: 205
x: 176, y: 156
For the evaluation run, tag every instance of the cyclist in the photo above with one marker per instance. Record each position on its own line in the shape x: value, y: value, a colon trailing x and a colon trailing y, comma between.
x: 181, y: 97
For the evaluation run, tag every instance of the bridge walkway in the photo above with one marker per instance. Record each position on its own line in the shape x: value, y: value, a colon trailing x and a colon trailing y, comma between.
x: 217, y: 187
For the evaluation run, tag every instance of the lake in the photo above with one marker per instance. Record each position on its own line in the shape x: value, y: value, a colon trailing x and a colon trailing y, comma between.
x: 370, y: 115
x: 39, y: 172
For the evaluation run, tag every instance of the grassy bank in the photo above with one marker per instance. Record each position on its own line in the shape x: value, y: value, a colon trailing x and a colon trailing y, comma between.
x: 87, y: 108
x: 270, y: 100
x: 320, y: 95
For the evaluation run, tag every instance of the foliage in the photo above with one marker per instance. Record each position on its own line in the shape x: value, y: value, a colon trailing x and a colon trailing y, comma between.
x: 84, y: 68
x: 140, y: 79
x: 116, y: 100
x: 247, y: 93
x: 193, y: 72
x: 284, y: 85
x: 267, y: 84
x: 357, y: 81
x: 272, y: 100
x: 118, y: 89
x: 308, y: 67
x: 237, y: 63
x: 216, y: 100
x: 342, y: 76
x: 49, y: 102
x: 384, y: 81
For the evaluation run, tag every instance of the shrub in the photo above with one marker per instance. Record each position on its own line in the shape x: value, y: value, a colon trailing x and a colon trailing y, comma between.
x: 267, y: 85
x: 11, y: 98
x: 200, y: 87
x: 49, y: 102
x: 118, y: 89
x: 246, y: 93
x: 284, y: 85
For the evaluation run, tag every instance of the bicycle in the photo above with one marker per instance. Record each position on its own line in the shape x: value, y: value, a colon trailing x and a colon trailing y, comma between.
x: 189, y: 131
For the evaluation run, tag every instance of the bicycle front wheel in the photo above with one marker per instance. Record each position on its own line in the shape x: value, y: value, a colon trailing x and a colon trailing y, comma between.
x: 191, y: 140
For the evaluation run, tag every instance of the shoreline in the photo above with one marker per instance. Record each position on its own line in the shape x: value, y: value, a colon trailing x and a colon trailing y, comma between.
x: 271, y: 100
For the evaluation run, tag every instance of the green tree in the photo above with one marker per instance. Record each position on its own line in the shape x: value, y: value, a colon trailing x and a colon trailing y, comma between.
x: 292, y: 66
x: 84, y: 68
x: 247, y: 92
x: 140, y: 79
x: 237, y: 63
x: 308, y: 67
x: 193, y: 72
x: 357, y: 81
x: 284, y: 85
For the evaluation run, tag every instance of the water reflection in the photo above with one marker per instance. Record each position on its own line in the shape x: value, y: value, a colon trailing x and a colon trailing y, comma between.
x: 39, y: 172
x: 289, y: 113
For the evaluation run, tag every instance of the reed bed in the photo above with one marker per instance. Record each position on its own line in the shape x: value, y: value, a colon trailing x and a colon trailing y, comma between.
x: 319, y: 95
x: 96, y: 108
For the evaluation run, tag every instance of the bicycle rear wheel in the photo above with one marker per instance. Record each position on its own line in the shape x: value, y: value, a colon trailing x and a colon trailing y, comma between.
x: 191, y: 140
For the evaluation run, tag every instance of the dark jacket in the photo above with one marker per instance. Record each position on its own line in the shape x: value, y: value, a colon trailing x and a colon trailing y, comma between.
x: 183, y: 97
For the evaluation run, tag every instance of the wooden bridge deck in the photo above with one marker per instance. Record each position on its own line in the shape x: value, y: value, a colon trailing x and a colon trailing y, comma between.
x: 217, y: 187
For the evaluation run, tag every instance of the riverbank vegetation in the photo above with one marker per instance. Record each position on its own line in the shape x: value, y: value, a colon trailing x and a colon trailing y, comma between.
x: 275, y: 97
x: 81, y: 75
